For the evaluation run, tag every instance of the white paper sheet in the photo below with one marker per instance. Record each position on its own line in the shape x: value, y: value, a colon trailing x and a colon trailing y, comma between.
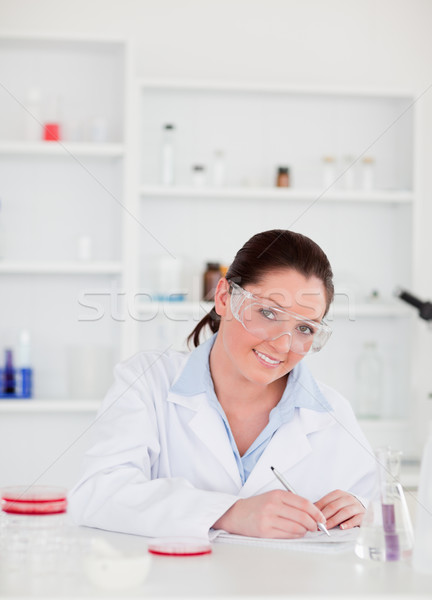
x: 339, y: 540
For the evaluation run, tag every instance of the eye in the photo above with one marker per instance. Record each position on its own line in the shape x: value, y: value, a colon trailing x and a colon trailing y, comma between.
x: 306, y: 329
x: 267, y: 313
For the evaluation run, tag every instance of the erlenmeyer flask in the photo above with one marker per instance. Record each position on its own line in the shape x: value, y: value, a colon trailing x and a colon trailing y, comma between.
x: 386, y: 532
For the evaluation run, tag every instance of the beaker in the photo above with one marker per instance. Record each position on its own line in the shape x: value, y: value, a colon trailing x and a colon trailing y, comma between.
x: 386, y: 532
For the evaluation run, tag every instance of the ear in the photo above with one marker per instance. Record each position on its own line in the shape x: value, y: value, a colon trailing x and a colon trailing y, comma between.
x: 222, y: 297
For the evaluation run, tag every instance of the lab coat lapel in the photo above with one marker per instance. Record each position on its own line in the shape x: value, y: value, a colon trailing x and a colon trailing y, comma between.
x: 288, y: 447
x: 210, y: 430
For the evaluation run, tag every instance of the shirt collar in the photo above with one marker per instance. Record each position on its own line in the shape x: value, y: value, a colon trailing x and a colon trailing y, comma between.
x: 301, y: 391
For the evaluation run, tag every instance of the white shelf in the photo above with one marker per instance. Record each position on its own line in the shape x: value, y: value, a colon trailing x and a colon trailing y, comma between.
x: 34, y: 405
x: 62, y: 148
x: 9, y: 267
x: 188, y: 192
x: 203, y: 85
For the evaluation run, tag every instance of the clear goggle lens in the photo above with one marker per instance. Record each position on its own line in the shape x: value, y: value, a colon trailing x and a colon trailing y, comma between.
x: 269, y: 323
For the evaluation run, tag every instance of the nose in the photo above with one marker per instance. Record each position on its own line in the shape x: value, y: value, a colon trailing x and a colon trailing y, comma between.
x: 282, y: 342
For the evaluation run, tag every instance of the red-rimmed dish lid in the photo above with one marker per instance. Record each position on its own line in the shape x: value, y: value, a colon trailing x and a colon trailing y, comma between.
x: 179, y: 546
x: 34, y: 500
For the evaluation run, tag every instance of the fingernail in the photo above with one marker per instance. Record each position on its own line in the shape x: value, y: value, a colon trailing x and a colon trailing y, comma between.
x: 342, y: 526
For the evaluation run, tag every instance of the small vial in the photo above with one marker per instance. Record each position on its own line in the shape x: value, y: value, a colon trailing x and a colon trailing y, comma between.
x: 9, y: 375
x: 329, y: 171
x: 168, y: 155
x: 219, y: 168
x: 84, y: 248
x: 99, y: 130
x: 52, y: 129
x: 211, y: 278
x: 198, y: 175
x: 33, y: 127
x: 283, y: 177
x: 368, y: 169
x: 369, y: 383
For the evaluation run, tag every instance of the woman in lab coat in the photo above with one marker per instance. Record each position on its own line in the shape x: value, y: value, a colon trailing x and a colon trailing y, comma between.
x: 185, y: 442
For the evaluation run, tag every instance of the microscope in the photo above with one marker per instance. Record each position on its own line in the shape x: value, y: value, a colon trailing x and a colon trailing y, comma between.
x: 424, y: 308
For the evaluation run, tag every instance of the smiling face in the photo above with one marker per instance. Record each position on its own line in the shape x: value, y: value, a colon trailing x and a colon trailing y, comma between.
x: 263, y: 361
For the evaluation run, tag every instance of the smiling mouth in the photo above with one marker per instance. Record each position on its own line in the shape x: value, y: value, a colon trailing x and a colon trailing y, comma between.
x: 267, y: 359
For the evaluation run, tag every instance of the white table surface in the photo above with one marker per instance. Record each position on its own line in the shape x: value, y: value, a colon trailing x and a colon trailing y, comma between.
x: 238, y: 571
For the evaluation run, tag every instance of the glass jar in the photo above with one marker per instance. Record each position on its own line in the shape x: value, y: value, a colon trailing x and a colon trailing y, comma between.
x: 283, y: 177
x: 168, y: 154
x: 33, y: 539
x: 211, y: 277
x: 386, y: 530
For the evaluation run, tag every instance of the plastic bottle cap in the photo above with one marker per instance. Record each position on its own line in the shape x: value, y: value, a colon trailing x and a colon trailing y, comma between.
x: 178, y: 546
x: 36, y: 500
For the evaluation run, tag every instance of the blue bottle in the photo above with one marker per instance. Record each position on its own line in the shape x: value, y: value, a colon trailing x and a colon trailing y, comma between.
x: 9, y: 379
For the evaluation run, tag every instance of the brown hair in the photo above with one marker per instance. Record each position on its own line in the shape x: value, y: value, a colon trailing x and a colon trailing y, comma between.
x: 269, y: 251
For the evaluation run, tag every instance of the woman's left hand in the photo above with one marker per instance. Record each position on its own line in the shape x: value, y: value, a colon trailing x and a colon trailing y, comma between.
x: 341, y: 508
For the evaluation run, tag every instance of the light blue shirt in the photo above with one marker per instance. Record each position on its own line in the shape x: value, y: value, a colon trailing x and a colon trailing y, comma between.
x: 301, y: 391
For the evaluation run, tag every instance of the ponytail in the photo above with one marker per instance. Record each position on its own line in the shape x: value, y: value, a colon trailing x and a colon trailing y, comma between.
x: 211, y: 319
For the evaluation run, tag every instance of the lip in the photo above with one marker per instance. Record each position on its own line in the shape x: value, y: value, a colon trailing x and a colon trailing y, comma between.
x: 263, y: 362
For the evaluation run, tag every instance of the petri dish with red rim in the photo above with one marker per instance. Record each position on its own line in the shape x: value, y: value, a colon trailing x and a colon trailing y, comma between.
x: 179, y: 546
x: 33, y: 500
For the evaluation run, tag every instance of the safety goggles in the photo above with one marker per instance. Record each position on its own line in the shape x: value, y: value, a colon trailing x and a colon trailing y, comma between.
x: 269, y: 322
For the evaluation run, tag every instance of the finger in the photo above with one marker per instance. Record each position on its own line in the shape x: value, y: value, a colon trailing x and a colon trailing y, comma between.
x: 330, y: 497
x: 345, y: 514
x: 305, y: 506
x: 334, y: 507
x: 285, y: 528
x: 301, y: 518
x: 355, y: 521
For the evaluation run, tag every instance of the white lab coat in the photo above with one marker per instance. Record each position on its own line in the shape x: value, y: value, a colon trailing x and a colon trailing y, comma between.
x: 162, y: 463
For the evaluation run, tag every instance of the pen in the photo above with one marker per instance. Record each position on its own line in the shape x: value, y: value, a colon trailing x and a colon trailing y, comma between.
x: 288, y: 487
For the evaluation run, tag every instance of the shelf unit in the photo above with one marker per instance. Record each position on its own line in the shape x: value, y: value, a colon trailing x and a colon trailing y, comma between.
x: 210, y: 193
x: 53, y: 193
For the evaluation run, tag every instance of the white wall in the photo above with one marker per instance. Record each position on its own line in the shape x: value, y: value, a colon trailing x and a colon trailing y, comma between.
x: 363, y: 43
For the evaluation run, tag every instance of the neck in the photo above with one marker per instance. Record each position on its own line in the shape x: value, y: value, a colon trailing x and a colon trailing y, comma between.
x: 234, y: 391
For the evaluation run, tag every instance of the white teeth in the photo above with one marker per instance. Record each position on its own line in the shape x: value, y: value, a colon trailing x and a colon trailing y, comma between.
x: 267, y: 359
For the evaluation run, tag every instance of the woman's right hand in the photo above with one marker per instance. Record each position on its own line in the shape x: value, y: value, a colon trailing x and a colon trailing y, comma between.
x: 275, y: 514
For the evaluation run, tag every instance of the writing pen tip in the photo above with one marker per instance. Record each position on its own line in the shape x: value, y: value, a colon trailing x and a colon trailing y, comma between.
x: 272, y: 468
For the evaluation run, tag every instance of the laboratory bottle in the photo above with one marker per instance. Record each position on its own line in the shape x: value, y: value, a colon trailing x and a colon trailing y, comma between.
x: 328, y: 171
x: 368, y: 172
x: 369, y: 382
x: 219, y: 174
x: 422, y: 553
x: 199, y: 175
x: 33, y: 125
x: 386, y: 531
x: 211, y: 277
x: 283, y: 177
x: 9, y: 375
x: 33, y: 536
x: 24, y: 363
x: 168, y: 154
x: 52, y: 128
